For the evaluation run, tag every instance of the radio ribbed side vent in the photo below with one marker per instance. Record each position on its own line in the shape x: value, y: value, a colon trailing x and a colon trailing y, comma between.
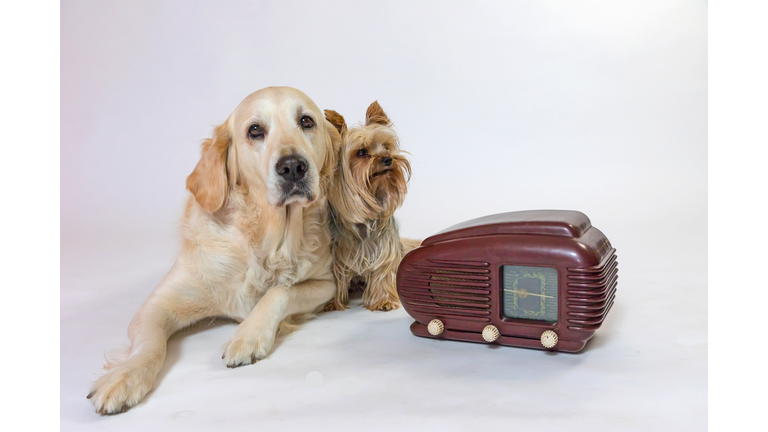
x: 449, y: 289
x: 590, y: 293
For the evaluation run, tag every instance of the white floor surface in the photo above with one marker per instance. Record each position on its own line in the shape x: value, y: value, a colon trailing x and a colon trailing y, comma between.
x: 645, y: 370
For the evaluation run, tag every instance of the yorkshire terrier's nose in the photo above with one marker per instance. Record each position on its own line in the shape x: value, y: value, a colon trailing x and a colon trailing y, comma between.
x: 291, y: 167
x: 387, y: 161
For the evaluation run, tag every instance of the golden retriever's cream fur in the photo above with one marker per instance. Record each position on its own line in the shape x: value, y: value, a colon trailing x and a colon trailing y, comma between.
x: 255, y: 241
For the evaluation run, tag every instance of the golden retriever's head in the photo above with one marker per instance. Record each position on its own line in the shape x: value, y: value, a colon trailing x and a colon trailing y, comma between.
x: 275, y: 141
x: 373, y: 173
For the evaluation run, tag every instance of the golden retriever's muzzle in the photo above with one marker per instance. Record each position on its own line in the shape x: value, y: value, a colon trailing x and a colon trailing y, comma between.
x: 291, y: 171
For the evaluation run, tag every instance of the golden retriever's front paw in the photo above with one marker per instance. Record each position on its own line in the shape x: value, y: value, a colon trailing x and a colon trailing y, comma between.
x: 121, y: 388
x: 244, y: 349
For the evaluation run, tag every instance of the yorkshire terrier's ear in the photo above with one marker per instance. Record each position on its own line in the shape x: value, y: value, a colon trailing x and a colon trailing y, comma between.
x: 336, y: 120
x: 376, y: 115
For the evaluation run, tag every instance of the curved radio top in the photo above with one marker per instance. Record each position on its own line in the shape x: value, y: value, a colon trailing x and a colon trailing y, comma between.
x: 564, y: 223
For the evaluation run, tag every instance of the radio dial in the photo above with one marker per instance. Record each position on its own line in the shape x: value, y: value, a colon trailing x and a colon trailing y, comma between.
x: 490, y: 333
x: 435, y: 327
x: 549, y: 339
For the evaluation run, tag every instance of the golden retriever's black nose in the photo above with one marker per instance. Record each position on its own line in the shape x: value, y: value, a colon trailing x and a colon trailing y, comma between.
x: 291, y: 167
x: 387, y: 161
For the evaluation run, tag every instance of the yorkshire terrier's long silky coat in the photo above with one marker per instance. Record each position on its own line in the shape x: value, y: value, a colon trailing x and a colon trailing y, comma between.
x: 370, y: 183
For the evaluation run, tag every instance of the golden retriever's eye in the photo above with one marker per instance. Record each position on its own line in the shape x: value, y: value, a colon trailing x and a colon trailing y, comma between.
x: 256, y: 131
x: 362, y: 153
x: 307, y: 122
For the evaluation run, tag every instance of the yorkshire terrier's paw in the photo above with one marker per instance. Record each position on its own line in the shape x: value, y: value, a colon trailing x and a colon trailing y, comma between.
x: 384, y: 307
x: 334, y: 306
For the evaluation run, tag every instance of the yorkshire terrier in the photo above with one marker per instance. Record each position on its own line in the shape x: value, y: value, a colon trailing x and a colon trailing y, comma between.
x: 369, y: 184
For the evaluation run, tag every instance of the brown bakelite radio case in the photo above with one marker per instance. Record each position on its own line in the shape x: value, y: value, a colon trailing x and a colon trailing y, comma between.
x: 542, y: 279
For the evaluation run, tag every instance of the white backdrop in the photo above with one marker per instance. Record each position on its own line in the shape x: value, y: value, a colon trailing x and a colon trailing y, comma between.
x: 592, y: 106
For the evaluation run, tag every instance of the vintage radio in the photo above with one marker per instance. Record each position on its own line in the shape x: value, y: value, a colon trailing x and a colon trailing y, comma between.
x: 541, y: 279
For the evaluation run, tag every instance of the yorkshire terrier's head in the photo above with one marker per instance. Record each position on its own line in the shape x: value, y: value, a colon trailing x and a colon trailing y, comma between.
x: 372, y: 175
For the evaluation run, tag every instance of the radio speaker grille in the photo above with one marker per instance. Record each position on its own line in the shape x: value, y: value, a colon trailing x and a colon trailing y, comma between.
x: 590, y: 293
x: 449, y: 289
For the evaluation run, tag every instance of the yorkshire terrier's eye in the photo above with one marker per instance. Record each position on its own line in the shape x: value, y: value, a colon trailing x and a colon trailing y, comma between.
x: 256, y: 131
x: 307, y: 122
x: 362, y: 153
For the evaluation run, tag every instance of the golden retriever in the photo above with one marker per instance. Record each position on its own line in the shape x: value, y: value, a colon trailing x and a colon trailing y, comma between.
x: 255, y: 241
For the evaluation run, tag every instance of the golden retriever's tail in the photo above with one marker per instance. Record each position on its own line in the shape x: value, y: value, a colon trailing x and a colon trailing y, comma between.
x: 409, y: 244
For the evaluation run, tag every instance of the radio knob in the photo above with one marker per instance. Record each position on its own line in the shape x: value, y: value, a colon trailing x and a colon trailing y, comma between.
x: 435, y: 327
x: 549, y: 339
x: 490, y: 333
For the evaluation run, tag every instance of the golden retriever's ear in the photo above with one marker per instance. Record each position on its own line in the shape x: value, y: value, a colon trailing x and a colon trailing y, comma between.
x: 336, y: 120
x: 208, y: 182
x: 332, y: 148
x: 376, y: 115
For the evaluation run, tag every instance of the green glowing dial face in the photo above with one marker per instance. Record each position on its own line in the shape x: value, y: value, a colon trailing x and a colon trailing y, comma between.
x: 530, y: 293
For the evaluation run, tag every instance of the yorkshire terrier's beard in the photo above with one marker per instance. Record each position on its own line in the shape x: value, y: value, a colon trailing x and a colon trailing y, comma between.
x: 381, y: 189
